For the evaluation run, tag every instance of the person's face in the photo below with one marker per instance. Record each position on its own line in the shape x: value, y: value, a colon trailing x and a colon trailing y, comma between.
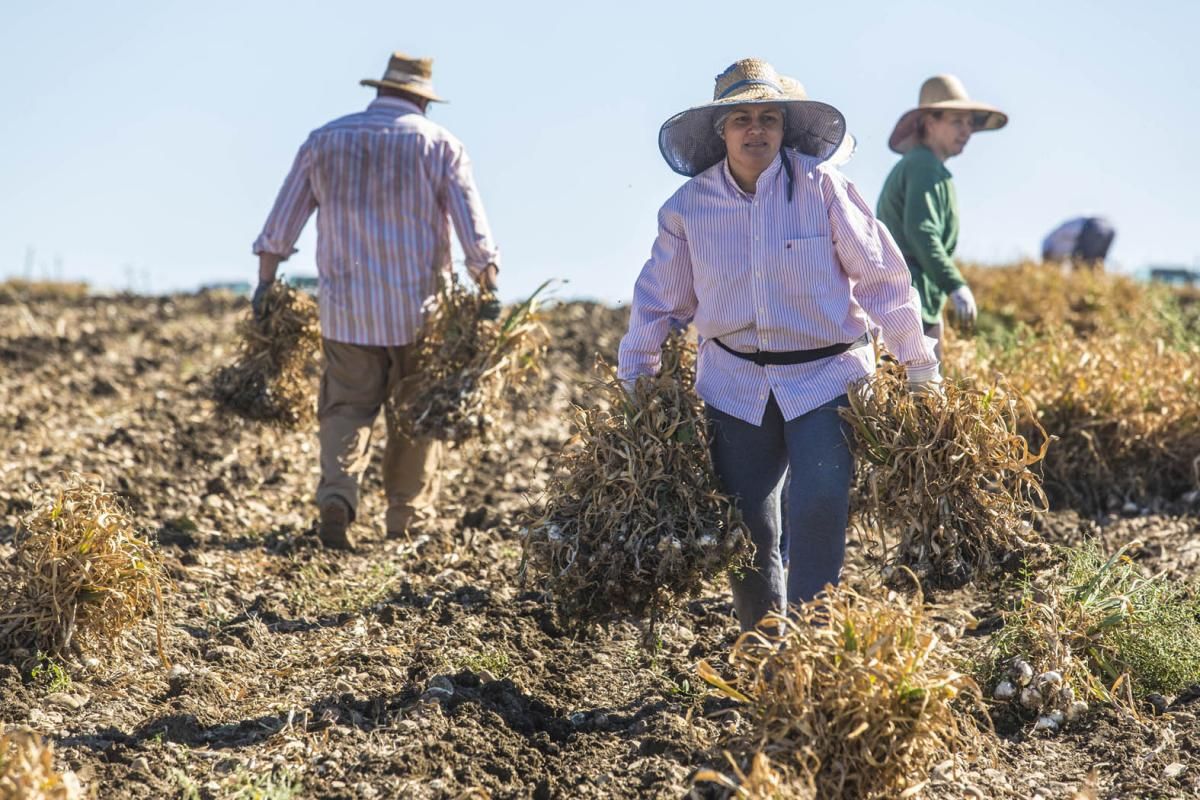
x: 753, y: 135
x: 947, y: 134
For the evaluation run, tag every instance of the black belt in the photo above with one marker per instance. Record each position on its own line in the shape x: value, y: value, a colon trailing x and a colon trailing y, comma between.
x: 766, y: 358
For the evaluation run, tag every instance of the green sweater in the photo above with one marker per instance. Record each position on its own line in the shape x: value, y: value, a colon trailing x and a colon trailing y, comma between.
x: 919, y: 207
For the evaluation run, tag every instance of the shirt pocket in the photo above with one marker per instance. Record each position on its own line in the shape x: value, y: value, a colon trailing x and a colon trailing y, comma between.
x: 806, y: 267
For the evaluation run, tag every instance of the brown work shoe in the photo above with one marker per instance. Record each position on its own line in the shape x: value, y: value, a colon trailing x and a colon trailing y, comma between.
x: 334, y: 530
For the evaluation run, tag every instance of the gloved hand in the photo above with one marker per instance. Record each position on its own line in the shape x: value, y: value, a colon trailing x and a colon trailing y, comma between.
x: 964, y: 306
x: 259, y: 300
x: 490, y: 309
x: 924, y: 380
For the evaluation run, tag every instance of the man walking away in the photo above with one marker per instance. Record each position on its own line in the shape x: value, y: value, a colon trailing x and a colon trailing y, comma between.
x: 387, y: 183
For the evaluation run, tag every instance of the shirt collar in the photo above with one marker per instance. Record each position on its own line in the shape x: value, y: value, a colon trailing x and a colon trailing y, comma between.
x: 938, y: 161
x: 769, y: 174
x: 394, y: 104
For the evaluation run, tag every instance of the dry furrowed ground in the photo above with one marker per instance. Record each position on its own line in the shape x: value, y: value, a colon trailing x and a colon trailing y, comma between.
x: 415, y: 668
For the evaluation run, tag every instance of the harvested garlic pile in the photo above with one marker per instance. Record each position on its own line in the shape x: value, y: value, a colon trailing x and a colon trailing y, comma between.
x: 1045, y: 694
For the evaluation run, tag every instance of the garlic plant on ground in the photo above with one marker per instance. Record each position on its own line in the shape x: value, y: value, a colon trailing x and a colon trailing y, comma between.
x: 1095, y: 629
x: 1031, y: 298
x: 82, y: 575
x: 27, y: 769
x: 855, y: 690
x: 1125, y: 412
x: 1111, y: 365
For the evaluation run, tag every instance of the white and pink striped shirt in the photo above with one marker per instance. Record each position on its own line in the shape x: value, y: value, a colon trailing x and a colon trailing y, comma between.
x: 386, y: 184
x: 760, y: 273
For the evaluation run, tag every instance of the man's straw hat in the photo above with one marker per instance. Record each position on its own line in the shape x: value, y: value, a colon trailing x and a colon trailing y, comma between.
x: 412, y: 75
x: 943, y: 92
x: 691, y: 145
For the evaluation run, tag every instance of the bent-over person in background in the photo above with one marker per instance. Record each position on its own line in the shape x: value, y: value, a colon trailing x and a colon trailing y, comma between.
x: 387, y: 183
x: 1084, y: 241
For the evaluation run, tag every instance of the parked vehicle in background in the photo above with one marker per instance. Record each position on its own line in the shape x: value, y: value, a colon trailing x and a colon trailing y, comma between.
x: 234, y: 287
x: 1176, y: 276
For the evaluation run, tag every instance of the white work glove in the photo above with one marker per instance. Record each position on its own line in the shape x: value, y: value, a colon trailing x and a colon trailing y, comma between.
x: 924, y: 380
x: 965, y: 309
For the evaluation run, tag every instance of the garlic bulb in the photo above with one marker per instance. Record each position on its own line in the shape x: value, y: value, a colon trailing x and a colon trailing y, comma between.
x: 1076, y: 710
x: 1046, y: 723
x: 1004, y: 691
x: 1031, y: 698
x: 1047, y: 679
x: 1020, y: 672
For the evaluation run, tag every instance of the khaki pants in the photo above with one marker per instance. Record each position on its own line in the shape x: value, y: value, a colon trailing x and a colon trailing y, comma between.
x: 358, y: 381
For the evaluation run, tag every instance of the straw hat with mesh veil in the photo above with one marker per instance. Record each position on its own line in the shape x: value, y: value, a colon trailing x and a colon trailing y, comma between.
x: 691, y: 145
x: 412, y: 75
x: 943, y: 93
x: 795, y: 89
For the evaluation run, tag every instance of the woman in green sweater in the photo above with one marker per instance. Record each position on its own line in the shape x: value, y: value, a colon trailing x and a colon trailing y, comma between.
x: 918, y: 204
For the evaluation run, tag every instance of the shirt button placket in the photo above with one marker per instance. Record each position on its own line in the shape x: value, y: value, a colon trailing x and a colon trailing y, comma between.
x: 759, y: 289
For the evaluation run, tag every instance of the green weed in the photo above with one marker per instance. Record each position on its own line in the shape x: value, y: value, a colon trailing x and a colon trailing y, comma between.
x: 50, y: 674
x: 279, y: 785
x: 494, y: 661
x: 1105, y: 625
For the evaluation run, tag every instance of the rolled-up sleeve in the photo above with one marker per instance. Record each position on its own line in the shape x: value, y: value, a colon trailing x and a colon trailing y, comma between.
x: 465, y: 208
x: 664, y: 293
x: 882, y: 283
x: 292, y: 208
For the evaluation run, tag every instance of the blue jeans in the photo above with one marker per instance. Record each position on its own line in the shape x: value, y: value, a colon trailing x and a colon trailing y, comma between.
x: 751, y: 462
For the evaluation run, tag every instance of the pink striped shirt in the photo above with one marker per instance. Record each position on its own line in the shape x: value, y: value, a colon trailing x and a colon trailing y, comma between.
x: 761, y: 273
x: 386, y: 183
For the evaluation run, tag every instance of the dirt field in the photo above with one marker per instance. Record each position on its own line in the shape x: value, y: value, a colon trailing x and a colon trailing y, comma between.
x: 416, y: 668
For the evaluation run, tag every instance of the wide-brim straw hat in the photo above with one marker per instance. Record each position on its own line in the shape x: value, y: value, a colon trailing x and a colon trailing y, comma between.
x: 408, y: 74
x: 942, y: 93
x: 690, y: 144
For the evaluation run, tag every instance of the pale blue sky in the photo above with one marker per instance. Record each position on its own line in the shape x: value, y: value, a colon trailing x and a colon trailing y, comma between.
x: 150, y: 138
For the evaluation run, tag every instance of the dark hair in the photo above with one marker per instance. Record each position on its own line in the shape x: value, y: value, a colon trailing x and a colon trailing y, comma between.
x: 936, y: 114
